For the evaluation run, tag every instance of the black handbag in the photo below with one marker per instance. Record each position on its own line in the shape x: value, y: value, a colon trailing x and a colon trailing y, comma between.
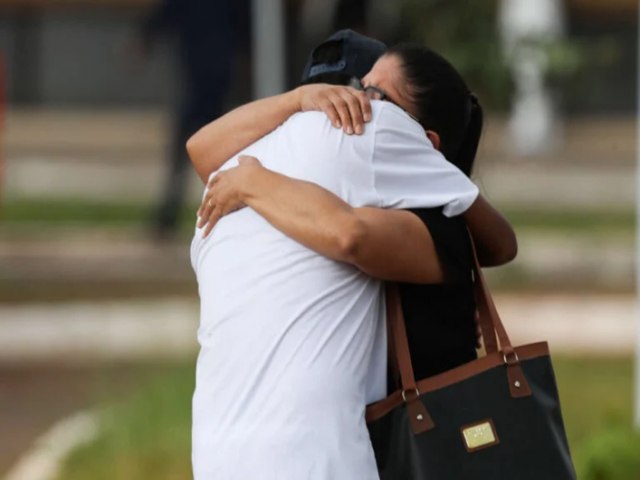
x: 497, y: 417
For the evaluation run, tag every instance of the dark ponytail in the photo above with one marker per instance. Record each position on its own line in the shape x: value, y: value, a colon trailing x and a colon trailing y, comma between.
x: 469, y: 144
x: 443, y: 102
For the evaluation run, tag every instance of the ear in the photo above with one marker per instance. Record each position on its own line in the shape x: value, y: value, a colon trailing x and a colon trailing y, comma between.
x: 435, y: 139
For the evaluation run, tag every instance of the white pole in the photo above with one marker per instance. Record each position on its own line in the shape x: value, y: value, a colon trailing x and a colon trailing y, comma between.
x: 637, y: 369
x: 268, y: 48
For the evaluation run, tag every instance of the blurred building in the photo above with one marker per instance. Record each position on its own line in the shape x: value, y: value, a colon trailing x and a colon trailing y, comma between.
x: 71, y: 52
x: 610, y: 84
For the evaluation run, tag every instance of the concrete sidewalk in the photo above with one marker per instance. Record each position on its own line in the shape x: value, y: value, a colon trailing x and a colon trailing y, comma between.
x: 134, y: 330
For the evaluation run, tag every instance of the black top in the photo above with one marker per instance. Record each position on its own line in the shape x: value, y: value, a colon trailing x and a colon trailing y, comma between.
x: 440, y: 317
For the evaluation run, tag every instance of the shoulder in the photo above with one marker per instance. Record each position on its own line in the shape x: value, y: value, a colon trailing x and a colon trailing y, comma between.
x: 387, y: 119
x: 317, y: 121
x: 313, y: 131
x: 387, y: 116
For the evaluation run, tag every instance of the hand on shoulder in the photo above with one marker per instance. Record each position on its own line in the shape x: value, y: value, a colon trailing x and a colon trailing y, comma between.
x: 346, y: 107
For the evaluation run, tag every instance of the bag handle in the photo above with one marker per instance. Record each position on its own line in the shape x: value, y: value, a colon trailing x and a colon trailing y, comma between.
x: 490, y: 321
x: 420, y: 419
x: 491, y: 326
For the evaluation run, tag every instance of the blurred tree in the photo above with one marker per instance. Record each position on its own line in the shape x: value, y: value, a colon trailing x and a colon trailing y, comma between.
x: 465, y: 32
x: 611, y: 455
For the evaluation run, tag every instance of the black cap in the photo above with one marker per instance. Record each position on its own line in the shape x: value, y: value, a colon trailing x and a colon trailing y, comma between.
x: 357, y: 54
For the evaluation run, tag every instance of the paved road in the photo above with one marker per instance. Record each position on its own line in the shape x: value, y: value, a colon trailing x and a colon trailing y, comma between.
x: 138, y: 330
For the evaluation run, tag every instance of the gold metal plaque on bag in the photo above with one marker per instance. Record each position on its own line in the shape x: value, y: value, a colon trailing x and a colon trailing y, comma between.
x: 479, y: 435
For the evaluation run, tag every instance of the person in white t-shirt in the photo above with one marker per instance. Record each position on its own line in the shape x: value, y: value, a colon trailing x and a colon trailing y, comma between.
x: 292, y: 342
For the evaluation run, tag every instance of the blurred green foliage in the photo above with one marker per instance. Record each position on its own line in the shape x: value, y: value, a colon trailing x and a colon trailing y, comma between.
x: 465, y: 33
x: 613, y: 454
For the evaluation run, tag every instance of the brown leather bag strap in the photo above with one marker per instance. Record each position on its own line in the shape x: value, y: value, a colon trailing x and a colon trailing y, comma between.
x: 480, y: 292
x: 398, y: 332
x: 484, y: 319
x: 419, y: 418
x: 491, y: 324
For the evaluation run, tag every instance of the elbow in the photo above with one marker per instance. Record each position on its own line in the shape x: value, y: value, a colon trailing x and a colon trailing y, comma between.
x: 192, y: 148
x: 501, y: 253
x: 509, y: 250
x: 195, y: 153
x: 349, y: 241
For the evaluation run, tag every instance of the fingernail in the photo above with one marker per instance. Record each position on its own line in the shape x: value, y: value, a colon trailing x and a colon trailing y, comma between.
x: 359, y: 130
x: 367, y: 117
x: 338, y: 125
x: 349, y: 130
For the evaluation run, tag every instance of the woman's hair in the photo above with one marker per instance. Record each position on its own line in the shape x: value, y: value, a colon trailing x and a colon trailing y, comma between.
x: 444, y: 103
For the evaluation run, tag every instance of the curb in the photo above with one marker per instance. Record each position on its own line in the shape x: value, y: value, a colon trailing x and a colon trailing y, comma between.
x: 43, y: 460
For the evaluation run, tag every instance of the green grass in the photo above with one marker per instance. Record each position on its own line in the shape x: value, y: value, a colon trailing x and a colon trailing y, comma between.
x: 74, y: 211
x: 572, y: 220
x: 147, y: 435
x: 57, y: 212
x: 595, y: 393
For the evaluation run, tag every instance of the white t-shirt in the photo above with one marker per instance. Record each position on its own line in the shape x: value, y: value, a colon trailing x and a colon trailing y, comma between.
x: 293, y: 345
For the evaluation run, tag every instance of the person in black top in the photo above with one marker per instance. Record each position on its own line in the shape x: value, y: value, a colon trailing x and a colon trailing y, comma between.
x: 434, y: 263
x: 440, y: 317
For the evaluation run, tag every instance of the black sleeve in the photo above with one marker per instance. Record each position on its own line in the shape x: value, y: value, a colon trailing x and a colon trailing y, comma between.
x: 451, y: 240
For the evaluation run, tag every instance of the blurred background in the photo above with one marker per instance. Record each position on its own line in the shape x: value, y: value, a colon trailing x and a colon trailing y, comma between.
x: 98, y: 302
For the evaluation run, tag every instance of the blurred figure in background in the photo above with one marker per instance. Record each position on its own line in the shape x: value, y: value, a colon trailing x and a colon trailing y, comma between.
x: 351, y: 14
x: 527, y: 29
x: 208, y: 34
x: 3, y: 106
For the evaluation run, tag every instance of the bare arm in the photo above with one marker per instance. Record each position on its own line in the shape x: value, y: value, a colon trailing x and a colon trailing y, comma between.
x: 347, y: 108
x: 223, y: 138
x: 492, y: 233
x: 387, y: 244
